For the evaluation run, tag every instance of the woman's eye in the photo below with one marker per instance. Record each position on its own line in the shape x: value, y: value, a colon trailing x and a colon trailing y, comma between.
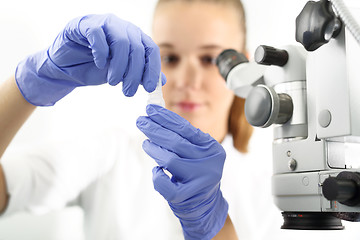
x: 169, y: 59
x: 208, y: 60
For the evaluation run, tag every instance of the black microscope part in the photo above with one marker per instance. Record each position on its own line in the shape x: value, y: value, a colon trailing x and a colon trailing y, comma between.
x: 344, y: 188
x: 316, y: 24
x: 311, y: 221
x: 267, y: 55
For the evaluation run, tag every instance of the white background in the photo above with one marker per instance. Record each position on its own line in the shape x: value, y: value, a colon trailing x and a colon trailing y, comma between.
x: 27, y: 26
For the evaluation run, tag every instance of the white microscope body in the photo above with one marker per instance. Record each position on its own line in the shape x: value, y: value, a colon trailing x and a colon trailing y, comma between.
x: 312, y: 99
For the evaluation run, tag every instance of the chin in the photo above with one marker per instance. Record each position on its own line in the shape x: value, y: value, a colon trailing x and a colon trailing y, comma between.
x: 197, y: 122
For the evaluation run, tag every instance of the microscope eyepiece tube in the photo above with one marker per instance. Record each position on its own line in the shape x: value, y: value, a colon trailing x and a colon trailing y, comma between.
x: 228, y: 59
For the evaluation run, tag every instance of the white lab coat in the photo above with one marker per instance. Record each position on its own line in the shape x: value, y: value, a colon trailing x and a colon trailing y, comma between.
x: 110, y: 178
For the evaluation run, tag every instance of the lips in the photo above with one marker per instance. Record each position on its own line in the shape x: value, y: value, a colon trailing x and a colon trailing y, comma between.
x: 188, y: 106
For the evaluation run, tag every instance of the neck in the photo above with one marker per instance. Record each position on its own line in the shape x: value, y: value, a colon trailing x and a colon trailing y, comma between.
x: 218, y: 132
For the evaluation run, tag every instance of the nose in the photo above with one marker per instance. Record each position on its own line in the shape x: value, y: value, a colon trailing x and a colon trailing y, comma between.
x: 189, y: 75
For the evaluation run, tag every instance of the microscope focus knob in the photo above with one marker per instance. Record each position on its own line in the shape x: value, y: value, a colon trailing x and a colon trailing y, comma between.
x: 267, y: 55
x: 316, y: 24
x: 345, y: 188
x: 264, y: 107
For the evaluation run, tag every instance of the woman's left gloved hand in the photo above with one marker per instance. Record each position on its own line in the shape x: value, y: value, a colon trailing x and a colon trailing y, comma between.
x: 196, y: 161
x: 90, y: 50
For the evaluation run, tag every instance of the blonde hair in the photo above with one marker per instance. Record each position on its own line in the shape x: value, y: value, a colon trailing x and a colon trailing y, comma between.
x: 238, y: 126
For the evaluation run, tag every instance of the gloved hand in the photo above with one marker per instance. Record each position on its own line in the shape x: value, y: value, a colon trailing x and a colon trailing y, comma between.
x: 195, y: 161
x: 91, y: 50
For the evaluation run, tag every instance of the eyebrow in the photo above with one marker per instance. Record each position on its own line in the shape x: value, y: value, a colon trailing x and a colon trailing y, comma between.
x: 210, y: 46
x: 166, y: 45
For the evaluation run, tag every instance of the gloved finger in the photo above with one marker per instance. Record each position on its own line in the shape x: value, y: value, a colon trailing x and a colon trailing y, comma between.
x: 119, y: 61
x: 99, y: 46
x: 178, y: 167
x: 185, y: 169
x: 136, y: 62
x: 92, y: 36
x: 152, y: 63
x: 161, y: 156
x: 178, y: 124
x: 171, y: 140
x: 174, y: 191
x: 119, y: 54
x: 163, y: 184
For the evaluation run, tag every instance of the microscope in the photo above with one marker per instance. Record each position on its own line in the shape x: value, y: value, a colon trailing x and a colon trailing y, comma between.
x: 310, y: 94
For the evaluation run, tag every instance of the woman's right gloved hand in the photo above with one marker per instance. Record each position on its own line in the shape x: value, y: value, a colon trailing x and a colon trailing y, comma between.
x: 91, y: 50
x: 196, y: 162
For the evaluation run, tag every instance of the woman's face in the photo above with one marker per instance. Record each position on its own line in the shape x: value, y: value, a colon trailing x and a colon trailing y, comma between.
x: 190, y: 37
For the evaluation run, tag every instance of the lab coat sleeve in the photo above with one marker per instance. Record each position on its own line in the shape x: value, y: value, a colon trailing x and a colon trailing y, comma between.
x: 49, y: 176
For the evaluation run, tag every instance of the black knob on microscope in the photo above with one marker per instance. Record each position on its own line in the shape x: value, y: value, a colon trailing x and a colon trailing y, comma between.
x: 316, y: 24
x: 339, y: 189
x: 267, y: 55
x: 343, y: 188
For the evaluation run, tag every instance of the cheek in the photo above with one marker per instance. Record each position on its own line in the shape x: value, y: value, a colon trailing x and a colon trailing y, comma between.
x: 221, y: 96
x: 167, y: 89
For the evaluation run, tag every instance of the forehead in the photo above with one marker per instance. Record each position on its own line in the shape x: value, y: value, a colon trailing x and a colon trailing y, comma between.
x: 195, y: 24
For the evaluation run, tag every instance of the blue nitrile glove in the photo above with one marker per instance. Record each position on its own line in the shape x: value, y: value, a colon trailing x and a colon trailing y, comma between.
x: 195, y: 161
x: 91, y: 50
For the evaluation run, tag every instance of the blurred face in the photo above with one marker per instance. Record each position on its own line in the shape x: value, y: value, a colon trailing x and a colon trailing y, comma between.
x: 190, y: 37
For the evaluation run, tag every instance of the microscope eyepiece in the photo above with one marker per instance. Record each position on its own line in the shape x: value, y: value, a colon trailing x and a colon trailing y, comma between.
x: 228, y: 59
